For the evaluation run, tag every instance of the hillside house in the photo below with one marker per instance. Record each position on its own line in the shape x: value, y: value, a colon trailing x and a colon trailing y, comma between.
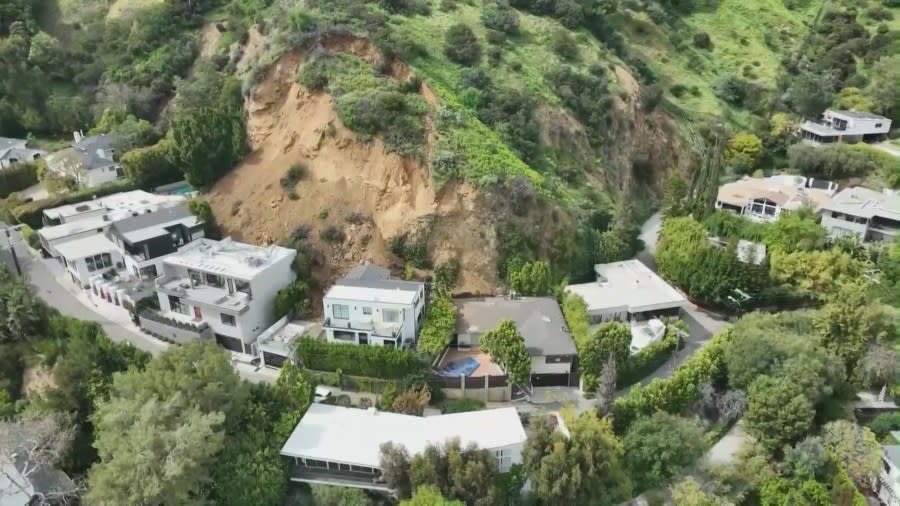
x: 867, y: 214
x: 16, y: 151
x: 888, y: 481
x: 763, y: 199
x: 90, y: 161
x: 842, y: 126
x: 367, y: 307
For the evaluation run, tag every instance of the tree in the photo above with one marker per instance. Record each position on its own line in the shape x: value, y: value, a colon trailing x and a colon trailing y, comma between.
x: 743, y: 149
x: 151, y: 166
x: 326, y: 495
x: 855, y: 448
x: 20, y: 312
x: 885, y: 74
x: 778, y: 412
x: 675, y: 191
x: 174, y: 411
x: 854, y: 99
x: 606, y: 391
x: 659, y: 447
x: 611, y: 339
x: 202, y: 210
x: 850, y: 321
x: 585, y: 468
x: 782, y: 492
x: 412, y: 401
x: 439, y: 326
x: 815, y: 273
x: 37, y: 445
x: 506, y: 347
x: 467, y: 474
x: 810, y: 94
x: 461, y: 45
x: 293, y: 301
x: 611, y: 247
x: 795, y: 231
x: 705, y: 183
x: 428, y: 495
x: 687, y: 492
x: 531, y: 278
x: 807, y: 459
x: 880, y: 366
x: 395, y: 467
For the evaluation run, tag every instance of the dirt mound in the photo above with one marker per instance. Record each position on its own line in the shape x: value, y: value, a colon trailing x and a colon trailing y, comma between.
x: 354, y: 186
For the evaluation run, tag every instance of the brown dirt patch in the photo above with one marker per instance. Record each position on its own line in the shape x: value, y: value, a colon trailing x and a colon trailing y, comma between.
x: 37, y: 379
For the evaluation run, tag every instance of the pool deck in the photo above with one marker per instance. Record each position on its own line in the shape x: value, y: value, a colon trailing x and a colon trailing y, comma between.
x: 485, y: 366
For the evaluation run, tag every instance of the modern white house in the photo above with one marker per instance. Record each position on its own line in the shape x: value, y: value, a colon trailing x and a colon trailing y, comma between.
x: 888, y: 483
x: 95, y: 217
x: 89, y: 256
x: 542, y: 325
x: 219, y: 289
x: 278, y: 343
x: 334, y: 445
x: 763, y: 199
x: 867, y: 214
x: 90, y: 161
x: 17, y: 151
x: 366, y: 307
x: 845, y: 126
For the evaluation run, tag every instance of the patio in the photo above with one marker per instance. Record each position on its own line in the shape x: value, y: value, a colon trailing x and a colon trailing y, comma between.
x: 485, y: 366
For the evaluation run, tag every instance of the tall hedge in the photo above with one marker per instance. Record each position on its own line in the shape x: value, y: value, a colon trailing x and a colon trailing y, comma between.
x: 440, y: 323
x: 676, y: 393
x: 374, y: 361
x: 17, y: 177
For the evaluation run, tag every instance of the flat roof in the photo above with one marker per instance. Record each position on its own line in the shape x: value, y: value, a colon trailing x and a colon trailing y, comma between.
x: 778, y: 189
x: 354, y: 436
x: 149, y: 225
x: 125, y: 202
x: 374, y: 276
x: 538, y: 319
x: 85, y: 247
x: 629, y: 286
x: 227, y: 256
x: 74, y: 227
x: 367, y: 294
x: 866, y: 203
x: 856, y: 114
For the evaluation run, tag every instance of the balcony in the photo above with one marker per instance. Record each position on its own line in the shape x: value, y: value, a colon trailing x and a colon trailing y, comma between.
x: 381, y: 330
x: 203, y: 294
x: 341, y: 478
x: 173, y: 327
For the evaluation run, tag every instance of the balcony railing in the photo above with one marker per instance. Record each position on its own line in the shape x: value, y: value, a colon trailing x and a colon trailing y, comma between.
x: 365, y: 326
x: 172, y: 329
x: 341, y: 478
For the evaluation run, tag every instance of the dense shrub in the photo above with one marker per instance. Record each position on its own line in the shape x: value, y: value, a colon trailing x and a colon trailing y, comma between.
x: 374, y: 361
x: 439, y: 326
x: 152, y: 166
x: 462, y: 406
x: 446, y: 275
x: 332, y: 234
x: 17, y: 177
x: 702, y: 40
x: 645, y: 362
x: 294, y: 174
x: 586, y: 95
x: 461, y: 45
x: 293, y: 301
x: 501, y: 18
x: 414, y: 252
x: 840, y: 161
x: 563, y: 44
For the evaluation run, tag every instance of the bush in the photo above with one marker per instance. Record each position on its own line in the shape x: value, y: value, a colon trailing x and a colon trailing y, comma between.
x: 501, y: 18
x: 446, y: 275
x: 293, y: 301
x: 439, y: 326
x: 292, y: 176
x: 373, y: 361
x: 31, y: 237
x: 702, y: 40
x: 840, y: 161
x: 332, y: 234
x: 17, y: 177
x: 564, y: 45
x: 586, y: 95
x: 152, y: 166
x: 643, y: 363
x: 461, y: 45
x: 462, y: 406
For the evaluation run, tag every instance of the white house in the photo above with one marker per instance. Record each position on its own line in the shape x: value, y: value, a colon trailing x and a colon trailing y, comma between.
x: 541, y: 324
x: 278, y: 343
x: 91, y: 161
x: 17, y: 150
x: 75, y: 221
x: 763, y: 199
x: 867, y: 214
x: 845, y: 126
x: 367, y: 307
x: 888, y: 484
x: 626, y: 291
x: 224, y: 289
x: 334, y: 445
x: 89, y: 256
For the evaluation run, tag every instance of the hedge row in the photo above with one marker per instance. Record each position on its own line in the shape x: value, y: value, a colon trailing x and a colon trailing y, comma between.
x: 440, y: 323
x: 349, y: 382
x: 374, y: 361
x: 31, y: 212
x: 678, y: 392
x: 643, y: 363
x: 16, y: 178
x: 575, y: 311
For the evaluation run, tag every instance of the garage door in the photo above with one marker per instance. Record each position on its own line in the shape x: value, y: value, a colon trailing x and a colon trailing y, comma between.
x: 549, y: 380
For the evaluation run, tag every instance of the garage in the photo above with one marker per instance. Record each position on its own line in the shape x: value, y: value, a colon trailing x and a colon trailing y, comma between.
x: 549, y: 380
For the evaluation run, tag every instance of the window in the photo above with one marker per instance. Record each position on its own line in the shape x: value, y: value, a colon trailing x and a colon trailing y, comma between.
x: 504, y: 459
x: 315, y: 463
x: 367, y: 310
x: 390, y: 315
x: 177, y: 306
x: 343, y: 335
x: 242, y: 286
x: 228, y: 319
x: 215, y: 280
x: 340, y: 311
x: 196, y: 278
x: 97, y: 262
x: 344, y: 467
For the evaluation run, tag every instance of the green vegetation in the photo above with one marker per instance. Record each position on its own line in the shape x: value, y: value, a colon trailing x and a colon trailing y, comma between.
x: 506, y: 347
x: 374, y: 361
x: 17, y: 177
x: 462, y: 406
x: 439, y: 326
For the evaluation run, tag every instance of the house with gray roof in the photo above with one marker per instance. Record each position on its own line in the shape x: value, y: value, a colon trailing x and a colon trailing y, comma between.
x: 846, y: 127
x: 541, y: 323
x: 888, y: 482
x: 90, y: 161
x: 17, y: 150
x: 869, y: 215
x: 24, y: 482
x: 367, y: 307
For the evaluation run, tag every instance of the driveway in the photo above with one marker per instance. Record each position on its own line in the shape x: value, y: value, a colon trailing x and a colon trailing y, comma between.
x: 888, y: 147
x: 650, y: 236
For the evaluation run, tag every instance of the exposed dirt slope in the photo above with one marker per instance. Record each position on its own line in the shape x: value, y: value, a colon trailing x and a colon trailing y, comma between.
x: 383, y: 194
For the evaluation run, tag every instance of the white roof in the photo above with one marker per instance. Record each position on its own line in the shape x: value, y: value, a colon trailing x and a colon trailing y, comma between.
x: 866, y: 203
x: 85, y: 247
x: 120, y: 205
x: 367, y: 294
x: 354, y: 436
x: 230, y: 257
x: 74, y: 227
x: 629, y: 286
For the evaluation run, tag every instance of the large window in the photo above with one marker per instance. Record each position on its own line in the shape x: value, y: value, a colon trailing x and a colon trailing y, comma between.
x: 343, y: 335
x: 176, y: 305
x: 97, y: 262
x: 215, y: 280
x: 504, y: 459
x: 242, y: 286
x: 228, y: 319
x: 366, y: 310
x: 340, y: 311
x: 390, y: 315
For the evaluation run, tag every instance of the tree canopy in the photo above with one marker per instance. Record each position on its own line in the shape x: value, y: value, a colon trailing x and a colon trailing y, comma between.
x: 506, y: 347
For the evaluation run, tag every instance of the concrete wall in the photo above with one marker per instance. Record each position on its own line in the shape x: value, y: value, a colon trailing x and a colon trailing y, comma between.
x: 539, y: 365
x: 172, y: 333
